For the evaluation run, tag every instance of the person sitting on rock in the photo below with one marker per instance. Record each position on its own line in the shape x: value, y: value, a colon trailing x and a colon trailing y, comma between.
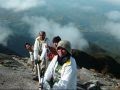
x: 61, y: 73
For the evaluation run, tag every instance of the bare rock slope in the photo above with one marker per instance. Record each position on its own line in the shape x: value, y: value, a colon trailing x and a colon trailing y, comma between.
x: 15, y: 74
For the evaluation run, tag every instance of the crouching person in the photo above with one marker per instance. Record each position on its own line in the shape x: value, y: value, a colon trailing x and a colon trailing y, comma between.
x: 29, y: 48
x: 61, y: 73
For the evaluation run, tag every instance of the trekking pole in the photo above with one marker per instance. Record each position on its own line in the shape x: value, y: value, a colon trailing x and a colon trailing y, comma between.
x: 42, y: 79
x: 38, y: 68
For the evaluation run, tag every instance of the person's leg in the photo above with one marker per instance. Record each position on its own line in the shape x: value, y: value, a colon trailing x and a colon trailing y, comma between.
x: 35, y: 73
x: 32, y: 62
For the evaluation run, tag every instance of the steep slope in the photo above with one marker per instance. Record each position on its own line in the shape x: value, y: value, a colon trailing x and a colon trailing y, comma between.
x: 100, y: 62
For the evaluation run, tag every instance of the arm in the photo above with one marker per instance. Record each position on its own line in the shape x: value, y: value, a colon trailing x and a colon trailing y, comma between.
x: 36, y: 48
x: 50, y: 69
x: 65, y: 79
x: 49, y: 72
x: 45, y: 48
x: 44, y: 51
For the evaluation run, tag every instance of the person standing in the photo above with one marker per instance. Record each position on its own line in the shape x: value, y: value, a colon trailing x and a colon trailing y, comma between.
x: 40, y: 53
x: 61, y: 73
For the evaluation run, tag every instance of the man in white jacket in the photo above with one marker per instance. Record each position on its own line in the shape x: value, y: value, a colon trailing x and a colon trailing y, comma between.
x: 61, y: 73
x: 40, y: 51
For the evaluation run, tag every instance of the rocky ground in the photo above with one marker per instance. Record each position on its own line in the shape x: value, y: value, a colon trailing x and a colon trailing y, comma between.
x: 91, y: 80
x: 16, y: 74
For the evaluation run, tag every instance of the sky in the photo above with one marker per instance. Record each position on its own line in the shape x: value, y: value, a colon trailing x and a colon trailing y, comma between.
x: 66, y: 18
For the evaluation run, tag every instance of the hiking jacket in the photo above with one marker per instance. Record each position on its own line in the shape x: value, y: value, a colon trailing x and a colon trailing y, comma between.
x: 40, y: 45
x: 52, y: 53
x: 68, y: 75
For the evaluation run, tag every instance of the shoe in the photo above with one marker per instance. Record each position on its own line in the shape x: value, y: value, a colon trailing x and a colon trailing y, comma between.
x: 40, y: 86
x: 36, y: 78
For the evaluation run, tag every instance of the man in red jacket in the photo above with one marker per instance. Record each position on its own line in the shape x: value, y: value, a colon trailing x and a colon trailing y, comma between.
x: 53, y: 51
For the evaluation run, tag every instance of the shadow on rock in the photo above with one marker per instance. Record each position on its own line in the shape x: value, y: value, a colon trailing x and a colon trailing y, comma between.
x: 99, y: 62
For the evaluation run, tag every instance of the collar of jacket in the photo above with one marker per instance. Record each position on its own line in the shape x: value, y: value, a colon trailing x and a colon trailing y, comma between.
x: 64, y: 59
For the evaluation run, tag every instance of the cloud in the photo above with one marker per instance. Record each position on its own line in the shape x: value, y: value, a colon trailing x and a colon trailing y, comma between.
x: 87, y: 8
x: 115, y: 2
x: 113, y: 15
x: 21, y: 5
x: 66, y: 32
x: 4, y: 35
x: 79, y: 5
x: 113, y: 29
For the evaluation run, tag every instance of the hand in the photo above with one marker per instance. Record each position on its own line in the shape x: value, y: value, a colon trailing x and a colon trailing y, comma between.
x: 36, y: 62
x: 46, y: 86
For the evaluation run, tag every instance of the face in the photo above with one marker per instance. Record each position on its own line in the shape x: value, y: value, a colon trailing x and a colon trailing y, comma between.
x: 61, y: 51
x: 42, y: 36
x: 27, y: 46
x: 55, y: 44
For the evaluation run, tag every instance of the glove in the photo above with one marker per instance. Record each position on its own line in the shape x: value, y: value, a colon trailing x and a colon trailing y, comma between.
x: 36, y: 62
x: 46, y: 86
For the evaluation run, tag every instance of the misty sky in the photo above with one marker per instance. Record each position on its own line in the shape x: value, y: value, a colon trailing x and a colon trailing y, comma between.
x: 68, y: 18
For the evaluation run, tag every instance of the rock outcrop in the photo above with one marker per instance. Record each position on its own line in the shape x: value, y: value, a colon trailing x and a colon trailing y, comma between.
x: 99, y: 62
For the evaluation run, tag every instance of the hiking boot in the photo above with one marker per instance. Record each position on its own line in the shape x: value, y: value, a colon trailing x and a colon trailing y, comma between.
x: 36, y: 78
x: 40, y: 86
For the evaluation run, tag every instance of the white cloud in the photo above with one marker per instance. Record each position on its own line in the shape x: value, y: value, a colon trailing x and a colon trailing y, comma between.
x: 4, y: 35
x: 79, y: 5
x: 115, y: 2
x: 113, y: 29
x: 21, y: 5
x: 68, y: 32
x: 87, y: 8
x: 113, y: 15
